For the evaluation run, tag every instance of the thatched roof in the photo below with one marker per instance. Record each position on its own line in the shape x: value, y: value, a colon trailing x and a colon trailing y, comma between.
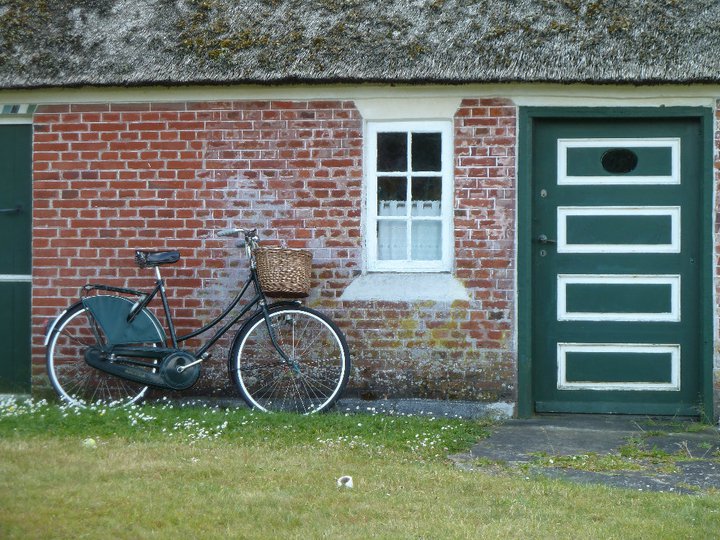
x: 51, y: 43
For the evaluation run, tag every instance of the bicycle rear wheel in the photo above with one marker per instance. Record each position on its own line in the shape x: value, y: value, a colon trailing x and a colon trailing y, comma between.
x: 319, y: 364
x: 73, y: 379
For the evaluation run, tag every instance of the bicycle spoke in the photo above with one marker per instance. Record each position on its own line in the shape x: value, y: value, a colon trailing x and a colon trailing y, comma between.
x: 297, y: 389
x: 313, y: 340
x: 310, y: 390
x: 317, y: 383
x: 77, y: 340
x: 80, y: 383
x: 72, y: 378
x: 273, y: 383
x: 305, y: 392
x: 317, y: 369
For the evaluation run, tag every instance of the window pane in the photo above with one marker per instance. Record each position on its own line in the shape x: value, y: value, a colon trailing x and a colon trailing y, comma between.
x: 426, y: 151
x: 426, y: 196
x: 392, y: 196
x: 391, y: 152
x: 392, y: 240
x: 426, y: 241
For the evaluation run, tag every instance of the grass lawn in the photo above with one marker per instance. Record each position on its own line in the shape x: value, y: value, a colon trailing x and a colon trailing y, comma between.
x: 164, y: 471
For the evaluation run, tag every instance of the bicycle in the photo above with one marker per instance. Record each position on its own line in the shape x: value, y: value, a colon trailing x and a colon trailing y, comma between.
x: 110, y: 347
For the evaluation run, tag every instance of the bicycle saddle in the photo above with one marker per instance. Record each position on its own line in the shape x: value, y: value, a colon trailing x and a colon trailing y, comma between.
x: 145, y: 259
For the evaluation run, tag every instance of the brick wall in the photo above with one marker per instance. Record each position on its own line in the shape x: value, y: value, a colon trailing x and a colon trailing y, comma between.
x: 109, y: 179
x: 463, y: 349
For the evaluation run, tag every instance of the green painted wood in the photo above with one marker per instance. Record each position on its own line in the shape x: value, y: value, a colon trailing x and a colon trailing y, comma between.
x: 650, y: 161
x: 619, y: 230
x: 15, y: 236
x: 602, y: 367
x: 15, y: 331
x: 525, y: 397
x: 618, y: 298
x: 615, y: 406
x: 543, y: 263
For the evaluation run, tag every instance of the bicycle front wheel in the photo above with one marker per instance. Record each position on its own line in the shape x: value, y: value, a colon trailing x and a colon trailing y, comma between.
x: 73, y: 379
x: 313, y: 378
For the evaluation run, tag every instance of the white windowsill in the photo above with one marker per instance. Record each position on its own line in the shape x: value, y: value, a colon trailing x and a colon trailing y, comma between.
x: 406, y: 288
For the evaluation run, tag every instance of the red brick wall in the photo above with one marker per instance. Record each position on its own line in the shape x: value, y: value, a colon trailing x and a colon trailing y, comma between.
x: 109, y: 179
x: 463, y: 349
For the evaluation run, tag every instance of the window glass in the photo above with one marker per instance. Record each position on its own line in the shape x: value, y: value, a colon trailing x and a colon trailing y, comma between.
x: 426, y: 196
x: 426, y: 240
x: 426, y: 151
x: 410, y: 185
x: 619, y: 160
x: 392, y: 240
x: 391, y: 152
x: 392, y: 196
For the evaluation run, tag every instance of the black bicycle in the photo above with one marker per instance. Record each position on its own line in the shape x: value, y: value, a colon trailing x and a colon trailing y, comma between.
x: 110, y: 347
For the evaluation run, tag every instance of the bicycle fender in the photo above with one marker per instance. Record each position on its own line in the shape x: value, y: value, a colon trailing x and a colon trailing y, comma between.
x: 51, y: 324
x: 285, y: 303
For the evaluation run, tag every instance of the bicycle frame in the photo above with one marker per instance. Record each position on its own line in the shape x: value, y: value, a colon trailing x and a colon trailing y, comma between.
x: 201, y: 353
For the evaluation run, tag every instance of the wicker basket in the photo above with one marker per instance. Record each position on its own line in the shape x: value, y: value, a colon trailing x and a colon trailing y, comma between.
x: 284, y: 272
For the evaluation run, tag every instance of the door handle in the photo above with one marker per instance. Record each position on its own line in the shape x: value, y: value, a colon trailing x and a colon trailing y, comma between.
x: 15, y: 210
x: 545, y: 240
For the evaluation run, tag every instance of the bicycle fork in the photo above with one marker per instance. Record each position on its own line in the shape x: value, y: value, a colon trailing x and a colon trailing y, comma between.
x: 271, y: 331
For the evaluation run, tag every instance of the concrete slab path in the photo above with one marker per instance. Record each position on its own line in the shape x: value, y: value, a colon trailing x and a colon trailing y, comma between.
x: 657, y: 454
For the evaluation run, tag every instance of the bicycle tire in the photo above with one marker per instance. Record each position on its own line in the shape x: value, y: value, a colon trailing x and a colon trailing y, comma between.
x: 75, y: 382
x: 319, y: 369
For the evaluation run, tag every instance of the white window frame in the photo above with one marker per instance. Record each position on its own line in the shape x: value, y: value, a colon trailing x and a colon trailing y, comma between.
x: 445, y: 128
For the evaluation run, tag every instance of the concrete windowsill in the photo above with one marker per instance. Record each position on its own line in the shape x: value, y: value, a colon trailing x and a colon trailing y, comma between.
x: 406, y: 287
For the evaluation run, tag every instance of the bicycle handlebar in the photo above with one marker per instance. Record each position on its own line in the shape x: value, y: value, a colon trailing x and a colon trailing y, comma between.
x: 248, y: 233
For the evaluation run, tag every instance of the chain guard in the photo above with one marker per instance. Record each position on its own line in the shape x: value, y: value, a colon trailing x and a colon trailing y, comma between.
x: 162, y: 375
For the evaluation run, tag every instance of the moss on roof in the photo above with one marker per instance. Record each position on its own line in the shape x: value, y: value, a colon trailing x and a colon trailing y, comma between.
x: 145, y: 42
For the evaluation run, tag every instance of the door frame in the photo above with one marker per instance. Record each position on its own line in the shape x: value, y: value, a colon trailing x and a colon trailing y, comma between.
x: 526, y: 121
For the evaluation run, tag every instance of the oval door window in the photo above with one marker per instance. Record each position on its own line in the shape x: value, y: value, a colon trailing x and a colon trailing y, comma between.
x: 619, y: 160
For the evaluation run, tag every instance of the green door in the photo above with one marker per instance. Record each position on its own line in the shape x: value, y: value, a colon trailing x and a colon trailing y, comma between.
x: 15, y: 262
x: 616, y: 265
